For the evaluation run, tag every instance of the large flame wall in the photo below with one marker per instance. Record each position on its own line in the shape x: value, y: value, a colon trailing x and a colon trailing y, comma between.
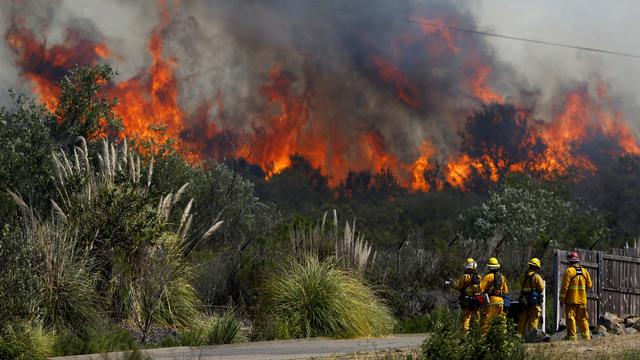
x: 348, y: 90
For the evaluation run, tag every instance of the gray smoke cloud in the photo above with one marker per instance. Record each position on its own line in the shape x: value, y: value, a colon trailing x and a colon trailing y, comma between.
x: 228, y: 47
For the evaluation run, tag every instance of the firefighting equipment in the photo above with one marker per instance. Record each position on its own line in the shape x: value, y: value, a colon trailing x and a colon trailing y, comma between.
x: 573, y: 293
x: 575, y: 282
x: 576, y: 314
x: 573, y: 257
x: 531, y: 294
x: 534, y: 262
x: 470, y: 297
x: 471, y: 264
x: 493, y: 263
x: 494, y: 285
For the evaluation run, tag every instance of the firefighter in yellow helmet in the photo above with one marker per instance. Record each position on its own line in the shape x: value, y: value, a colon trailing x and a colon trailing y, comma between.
x: 573, y: 294
x: 531, y: 293
x: 494, y: 285
x: 470, y: 295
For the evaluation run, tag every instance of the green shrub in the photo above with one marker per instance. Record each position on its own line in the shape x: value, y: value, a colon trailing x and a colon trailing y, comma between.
x: 92, y: 341
x: 311, y: 298
x: 226, y: 329
x: 429, y: 322
x: 26, y: 341
x: 19, y: 284
x: 502, y: 342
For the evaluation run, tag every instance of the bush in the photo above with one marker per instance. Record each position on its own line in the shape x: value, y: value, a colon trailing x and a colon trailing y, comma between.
x: 500, y: 343
x: 429, y: 322
x: 19, y: 284
x: 92, y: 341
x: 26, y: 341
x: 224, y: 328
x: 310, y: 298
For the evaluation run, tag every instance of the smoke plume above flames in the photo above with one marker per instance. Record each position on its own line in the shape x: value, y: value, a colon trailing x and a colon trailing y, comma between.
x: 349, y: 85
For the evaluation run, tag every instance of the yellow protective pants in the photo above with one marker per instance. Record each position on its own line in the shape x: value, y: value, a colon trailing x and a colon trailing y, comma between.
x: 488, y: 313
x: 577, y: 314
x: 469, y: 316
x: 528, y: 319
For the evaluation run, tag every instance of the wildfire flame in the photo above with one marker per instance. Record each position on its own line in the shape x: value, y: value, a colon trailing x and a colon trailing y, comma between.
x: 151, y: 113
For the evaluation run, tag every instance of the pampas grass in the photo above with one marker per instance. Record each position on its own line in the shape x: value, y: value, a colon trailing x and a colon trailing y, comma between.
x: 309, y: 298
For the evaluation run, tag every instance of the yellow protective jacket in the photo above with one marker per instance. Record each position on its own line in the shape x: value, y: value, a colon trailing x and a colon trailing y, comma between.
x: 574, y: 286
x: 532, y: 281
x: 495, y: 295
x: 465, y: 285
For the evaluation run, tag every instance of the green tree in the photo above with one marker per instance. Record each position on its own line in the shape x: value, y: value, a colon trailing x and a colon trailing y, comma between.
x: 525, y: 218
x: 84, y: 109
x: 25, y: 154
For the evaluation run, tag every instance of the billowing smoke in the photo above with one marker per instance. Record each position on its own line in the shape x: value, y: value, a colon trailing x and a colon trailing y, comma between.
x: 350, y: 85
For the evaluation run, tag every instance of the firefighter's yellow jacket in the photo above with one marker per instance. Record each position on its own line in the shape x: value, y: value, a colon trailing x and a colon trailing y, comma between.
x: 574, y: 286
x: 495, y: 295
x: 465, y: 285
x: 532, y: 281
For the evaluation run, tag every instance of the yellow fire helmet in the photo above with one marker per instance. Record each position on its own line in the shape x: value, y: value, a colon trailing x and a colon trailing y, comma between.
x: 534, y: 262
x: 470, y: 264
x: 493, y: 263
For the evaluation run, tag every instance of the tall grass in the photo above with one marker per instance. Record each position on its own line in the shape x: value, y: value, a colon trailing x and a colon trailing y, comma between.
x: 309, y: 298
x: 23, y: 340
x: 348, y: 247
x: 222, y: 328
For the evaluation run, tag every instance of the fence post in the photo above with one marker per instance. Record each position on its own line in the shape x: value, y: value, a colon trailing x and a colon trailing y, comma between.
x: 556, y: 300
x: 601, y: 274
x: 544, y: 307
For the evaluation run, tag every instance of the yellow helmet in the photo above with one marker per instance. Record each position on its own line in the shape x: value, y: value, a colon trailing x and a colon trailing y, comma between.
x: 493, y: 263
x: 470, y: 264
x: 534, y: 262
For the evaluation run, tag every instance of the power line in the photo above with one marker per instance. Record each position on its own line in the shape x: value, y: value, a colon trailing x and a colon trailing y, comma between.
x: 490, y: 34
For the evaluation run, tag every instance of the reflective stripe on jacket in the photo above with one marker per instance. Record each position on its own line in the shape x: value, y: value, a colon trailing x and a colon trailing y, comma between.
x: 486, y: 286
x: 574, y: 287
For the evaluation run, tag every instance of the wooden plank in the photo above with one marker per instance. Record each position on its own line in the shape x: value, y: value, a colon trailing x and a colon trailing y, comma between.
x: 601, y: 275
x: 588, y: 265
x: 623, y: 290
x: 621, y: 258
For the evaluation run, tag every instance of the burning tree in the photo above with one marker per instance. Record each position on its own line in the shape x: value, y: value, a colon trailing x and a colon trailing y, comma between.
x: 499, y: 141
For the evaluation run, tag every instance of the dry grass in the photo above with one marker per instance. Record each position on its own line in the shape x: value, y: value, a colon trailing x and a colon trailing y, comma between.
x: 611, y: 347
x: 350, y: 248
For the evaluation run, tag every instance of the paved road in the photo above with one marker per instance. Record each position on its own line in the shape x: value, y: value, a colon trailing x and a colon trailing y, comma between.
x: 275, y: 350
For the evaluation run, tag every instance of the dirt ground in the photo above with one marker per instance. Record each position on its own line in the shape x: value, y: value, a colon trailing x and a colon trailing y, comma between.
x: 623, y: 347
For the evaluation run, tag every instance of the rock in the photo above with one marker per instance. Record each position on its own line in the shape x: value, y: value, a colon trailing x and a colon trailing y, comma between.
x: 630, y: 331
x: 559, y: 336
x: 610, y: 321
x: 631, y: 321
x: 636, y: 326
x: 618, y: 329
x: 602, y: 331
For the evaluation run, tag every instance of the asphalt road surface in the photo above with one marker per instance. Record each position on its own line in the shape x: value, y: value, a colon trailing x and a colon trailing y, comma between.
x: 276, y: 350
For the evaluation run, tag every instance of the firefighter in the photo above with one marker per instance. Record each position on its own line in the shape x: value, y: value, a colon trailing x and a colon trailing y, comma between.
x: 494, y: 286
x: 470, y: 295
x: 573, y: 294
x: 531, y: 293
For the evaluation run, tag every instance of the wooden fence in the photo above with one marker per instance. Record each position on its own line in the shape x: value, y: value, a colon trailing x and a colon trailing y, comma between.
x: 616, y: 282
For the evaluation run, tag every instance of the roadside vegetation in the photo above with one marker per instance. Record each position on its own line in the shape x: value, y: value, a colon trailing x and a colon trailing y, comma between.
x: 107, y: 244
